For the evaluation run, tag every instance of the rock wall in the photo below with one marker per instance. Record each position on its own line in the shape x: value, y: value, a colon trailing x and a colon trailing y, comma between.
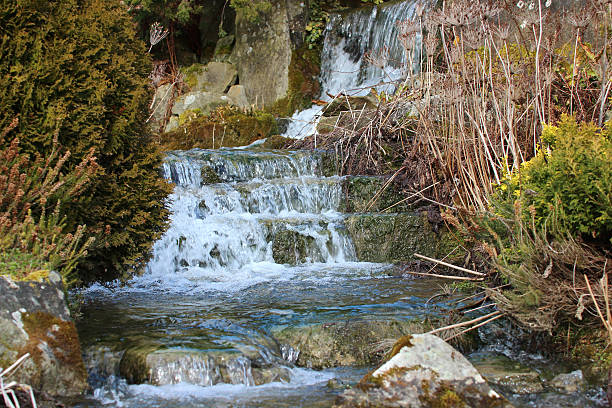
x: 263, y: 50
x: 34, y: 319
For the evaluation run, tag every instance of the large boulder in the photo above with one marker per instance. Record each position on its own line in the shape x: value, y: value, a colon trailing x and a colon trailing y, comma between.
x: 214, y: 77
x: 263, y: 49
x: 34, y: 319
x: 425, y: 372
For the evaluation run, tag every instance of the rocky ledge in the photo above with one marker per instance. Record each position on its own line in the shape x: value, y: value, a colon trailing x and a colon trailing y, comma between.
x: 34, y: 319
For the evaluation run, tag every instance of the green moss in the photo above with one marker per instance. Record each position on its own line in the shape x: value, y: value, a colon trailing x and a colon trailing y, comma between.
x: 191, y: 73
x: 225, y: 127
x: 304, y: 86
x: 405, y: 341
x: 276, y: 142
x: 209, y: 176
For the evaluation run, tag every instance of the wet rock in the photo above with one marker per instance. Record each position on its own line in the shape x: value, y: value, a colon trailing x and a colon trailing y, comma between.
x: 345, y: 343
x: 396, y: 237
x: 570, y: 382
x: 426, y: 372
x: 507, y: 374
x: 208, y: 175
x: 291, y: 247
x: 359, y: 191
x: 276, y: 142
x: 34, y: 319
x: 161, y: 367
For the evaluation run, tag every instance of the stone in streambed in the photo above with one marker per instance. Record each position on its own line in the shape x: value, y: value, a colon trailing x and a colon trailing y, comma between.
x: 156, y: 366
x: 359, y: 191
x: 291, y: 247
x: 507, y: 374
x: 570, y: 382
x: 344, y: 343
x: 425, y: 372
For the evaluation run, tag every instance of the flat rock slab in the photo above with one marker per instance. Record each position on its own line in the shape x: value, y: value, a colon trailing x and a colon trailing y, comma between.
x: 426, y: 372
x: 343, y: 343
x: 34, y: 319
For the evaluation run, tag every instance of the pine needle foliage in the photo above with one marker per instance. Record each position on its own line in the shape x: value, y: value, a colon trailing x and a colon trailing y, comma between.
x: 75, y: 68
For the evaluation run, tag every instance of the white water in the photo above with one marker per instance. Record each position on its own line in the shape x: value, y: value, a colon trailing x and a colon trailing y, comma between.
x: 344, y: 68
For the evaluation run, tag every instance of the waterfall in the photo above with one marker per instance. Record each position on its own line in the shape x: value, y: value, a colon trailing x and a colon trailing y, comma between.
x: 344, y: 66
x: 264, y: 210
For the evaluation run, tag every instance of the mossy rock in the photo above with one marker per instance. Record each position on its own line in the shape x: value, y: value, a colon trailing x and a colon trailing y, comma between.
x: 345, y: 343
x: 304, y: 85
x: 276, y: 142
x: 208, y: 175
x: 291, y: 247
x: 359, y: 193
x: 396, y: 237
x: 348, y: 104
x: 225, y: 127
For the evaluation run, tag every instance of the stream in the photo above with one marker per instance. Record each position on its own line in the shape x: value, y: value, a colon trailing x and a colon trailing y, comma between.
x: 257, y: 247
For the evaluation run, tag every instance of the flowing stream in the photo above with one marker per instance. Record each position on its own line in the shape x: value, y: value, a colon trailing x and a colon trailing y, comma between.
x: 205, y: 313
x: 256, y: 246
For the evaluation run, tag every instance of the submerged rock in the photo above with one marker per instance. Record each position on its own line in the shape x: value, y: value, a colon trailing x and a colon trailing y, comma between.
x: 162, y: 367
x: 508, y: 374
x: 570, y: 382
x: 345, y: 343
x: 426, y: 372
x: 34, y: 319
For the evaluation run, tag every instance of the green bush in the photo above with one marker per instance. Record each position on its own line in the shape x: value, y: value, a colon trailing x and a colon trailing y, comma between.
x: 568, y: 182
x: 76, y: 68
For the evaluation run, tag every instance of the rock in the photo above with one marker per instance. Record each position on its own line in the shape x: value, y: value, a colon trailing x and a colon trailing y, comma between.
x: 224, y: 47
x: 358, y: 191
x: 237, y: 96
x: 392, y: 238
x: 34, y: 319
x: 276, y: 142
x: 215, y: 77
x: 507, y: 374
x: 426, y: 372
x: 173, y: 124
x: 344, y: 343
x: 163, y: 95
x: 291, y: 247
x: 570, y: 382
x: 199, y: 101
x: 263, y: 54
x: 205, y: 368
x: 348, y: 104
x: 208, y: 175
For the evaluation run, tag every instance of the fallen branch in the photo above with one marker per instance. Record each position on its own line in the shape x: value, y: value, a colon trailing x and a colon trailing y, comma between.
x: 8, y: 394
x: 435, y: 275
x: 459, y: 268
x: 454, y: 326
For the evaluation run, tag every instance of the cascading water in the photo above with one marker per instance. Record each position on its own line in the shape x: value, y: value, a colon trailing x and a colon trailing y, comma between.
x: 345, y: 68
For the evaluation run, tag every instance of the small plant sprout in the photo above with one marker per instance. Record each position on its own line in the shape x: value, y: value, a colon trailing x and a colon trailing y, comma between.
x: 157, y: 33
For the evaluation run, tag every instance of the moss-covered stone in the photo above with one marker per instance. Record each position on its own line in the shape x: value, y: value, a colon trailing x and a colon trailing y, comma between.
x: 225, y: 127
x: 208, y: 175
x: 346, y: 343
x: 304, y: 85
x: 276, y: 142
x: 348, y: 104
x: 360, y: 191
x: 34, y: 319
x: 425, y: 373
x: 396, y: 237
x: 291, y: 247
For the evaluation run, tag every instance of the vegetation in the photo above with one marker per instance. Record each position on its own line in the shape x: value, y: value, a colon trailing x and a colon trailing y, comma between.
x: 74, y: 69
x: 32, y: 238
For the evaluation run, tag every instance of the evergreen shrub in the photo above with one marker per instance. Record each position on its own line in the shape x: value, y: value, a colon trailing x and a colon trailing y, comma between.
x: 75, y: 68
